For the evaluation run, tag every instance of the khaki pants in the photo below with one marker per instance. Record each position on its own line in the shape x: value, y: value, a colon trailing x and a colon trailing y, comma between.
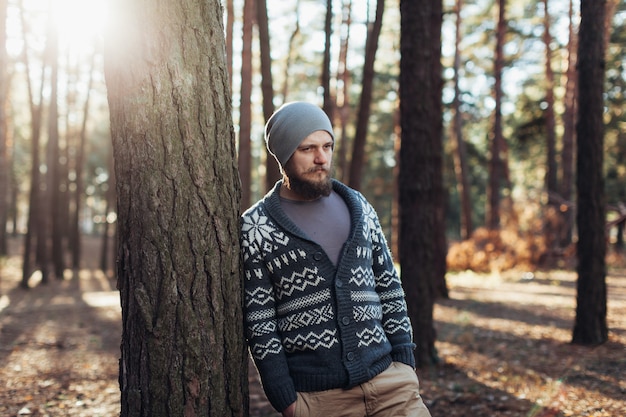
x: 393, y: 393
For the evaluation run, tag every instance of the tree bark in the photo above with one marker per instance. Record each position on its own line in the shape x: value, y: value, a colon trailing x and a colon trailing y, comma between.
x: 360, y: 137
x: 179, y: 270
x: 590, y: 327
x: 496, y: 164
x: 230, y: 24
x: 329, y: 105
x: 54, y: 198
x: 34, y: 229
x: 569, y: 134
x: 245, y: 106
x: 272, y: 169
x: 291, y: 51
x: 4, y: 159
x: 80, y: 161
x: 105, y: 264
x: 460, y: 151
x: 420, y: 182
x: 343, y: 92
x: 551, y: 168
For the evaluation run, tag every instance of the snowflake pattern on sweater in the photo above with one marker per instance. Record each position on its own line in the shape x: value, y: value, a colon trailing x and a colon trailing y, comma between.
x: 311, y: 325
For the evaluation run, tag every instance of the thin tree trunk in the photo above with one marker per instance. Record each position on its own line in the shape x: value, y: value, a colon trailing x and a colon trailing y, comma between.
x: 343, y: 91
x: 496, y: 169
x: 4, y: 158
x: 551, y: 168
x: 291, y: 51
x: 460, y: 151
x: 55, y: 215
x: 272, y: 170
x: 569, y: 134
x: 590, y: 326
x: 245, y: 110
x: 328, y: 105
x: 80, y: 162
x: 34, y: 229
x: 360, y: 137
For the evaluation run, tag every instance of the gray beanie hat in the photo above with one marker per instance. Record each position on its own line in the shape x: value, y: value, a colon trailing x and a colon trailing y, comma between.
x: 290, y: 124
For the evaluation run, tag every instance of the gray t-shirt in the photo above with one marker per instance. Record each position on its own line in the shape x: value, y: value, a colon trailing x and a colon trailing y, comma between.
x: 326, y: 221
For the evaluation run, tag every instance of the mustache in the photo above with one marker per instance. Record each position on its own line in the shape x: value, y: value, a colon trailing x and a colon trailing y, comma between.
x: 317, y: 169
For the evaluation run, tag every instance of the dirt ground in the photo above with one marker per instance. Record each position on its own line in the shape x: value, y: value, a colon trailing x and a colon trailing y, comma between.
x: 503, y: 341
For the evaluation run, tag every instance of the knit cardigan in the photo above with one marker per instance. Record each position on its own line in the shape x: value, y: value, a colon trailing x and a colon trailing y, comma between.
x: 311, y: 325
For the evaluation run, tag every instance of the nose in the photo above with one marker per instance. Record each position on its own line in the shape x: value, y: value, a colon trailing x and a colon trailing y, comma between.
x: 321, y: 156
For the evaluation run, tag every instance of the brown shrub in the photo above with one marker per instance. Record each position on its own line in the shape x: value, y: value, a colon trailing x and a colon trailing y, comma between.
x: 520, y: 243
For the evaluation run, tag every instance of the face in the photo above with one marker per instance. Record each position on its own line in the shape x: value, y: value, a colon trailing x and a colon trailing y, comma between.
x: 307, y: 174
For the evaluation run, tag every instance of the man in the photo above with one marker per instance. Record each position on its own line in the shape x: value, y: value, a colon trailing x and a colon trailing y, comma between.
x: 326, y: 317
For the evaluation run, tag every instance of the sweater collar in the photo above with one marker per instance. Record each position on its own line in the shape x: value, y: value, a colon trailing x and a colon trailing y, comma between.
x: 350, y: 196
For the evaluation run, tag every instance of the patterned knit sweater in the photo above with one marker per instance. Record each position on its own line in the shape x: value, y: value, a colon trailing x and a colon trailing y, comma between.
x: 312, y: 326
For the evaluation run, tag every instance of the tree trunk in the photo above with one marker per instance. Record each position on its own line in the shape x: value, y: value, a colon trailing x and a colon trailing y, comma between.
x: 245, y: 106
x: 551, y: 169
x: 272, y: 170
x: 343, y: 92
x: 230, y: 24
x: 329, y: 105
x: 79, y: 189
x: 109, y: 223
x: 179, y: 270
x: 291, y: 51
x: 4, y: 159
x: 590, y: 327
x: 496, y: 164
x: 569, y: 132
x: 35, y: 195
x: 56, y: 217
x: 420, y: 182
x: 360, y: 137
x: 460, y: 151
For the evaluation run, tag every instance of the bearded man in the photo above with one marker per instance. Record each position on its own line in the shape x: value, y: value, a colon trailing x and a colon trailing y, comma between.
x: 326, y: 318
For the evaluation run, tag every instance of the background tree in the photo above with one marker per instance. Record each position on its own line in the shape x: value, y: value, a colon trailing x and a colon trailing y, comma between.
x: 328, y: 103
x: 569, y: 132
x: 35, y: 223
x: 590, y: 327
x: 272, y: 173
x: 245, y: 104
x: 420, y: 182
x: 53, y: 210
x: 342, y: 99
x: 496, y: 149
x: 179, y: 271
x: 79, y: 182
x: 551, y: 165
x: 363, y: 116
x: 460, y: 148
x: 4, y: 159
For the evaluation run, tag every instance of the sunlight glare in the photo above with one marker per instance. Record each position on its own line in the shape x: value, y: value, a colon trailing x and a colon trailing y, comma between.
x: 80, y: 23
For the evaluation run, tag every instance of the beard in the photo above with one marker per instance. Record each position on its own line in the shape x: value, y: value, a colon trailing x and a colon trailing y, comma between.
x: 308, y: 189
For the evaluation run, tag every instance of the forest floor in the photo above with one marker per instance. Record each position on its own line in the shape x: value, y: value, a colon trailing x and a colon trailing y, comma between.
x: 503, y: 340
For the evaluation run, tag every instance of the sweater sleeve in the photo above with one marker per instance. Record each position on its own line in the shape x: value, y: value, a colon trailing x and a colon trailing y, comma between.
x: 260, y: 312
x: 396, y: 322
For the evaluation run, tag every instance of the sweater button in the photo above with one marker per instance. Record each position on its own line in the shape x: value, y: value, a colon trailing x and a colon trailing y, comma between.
x: 338, y: 283
x: 317, y: 256
x: 345, y: 320
x: 350, y: 356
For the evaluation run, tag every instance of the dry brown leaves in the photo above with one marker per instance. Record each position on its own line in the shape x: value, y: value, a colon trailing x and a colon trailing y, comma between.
x: 503, y: 340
